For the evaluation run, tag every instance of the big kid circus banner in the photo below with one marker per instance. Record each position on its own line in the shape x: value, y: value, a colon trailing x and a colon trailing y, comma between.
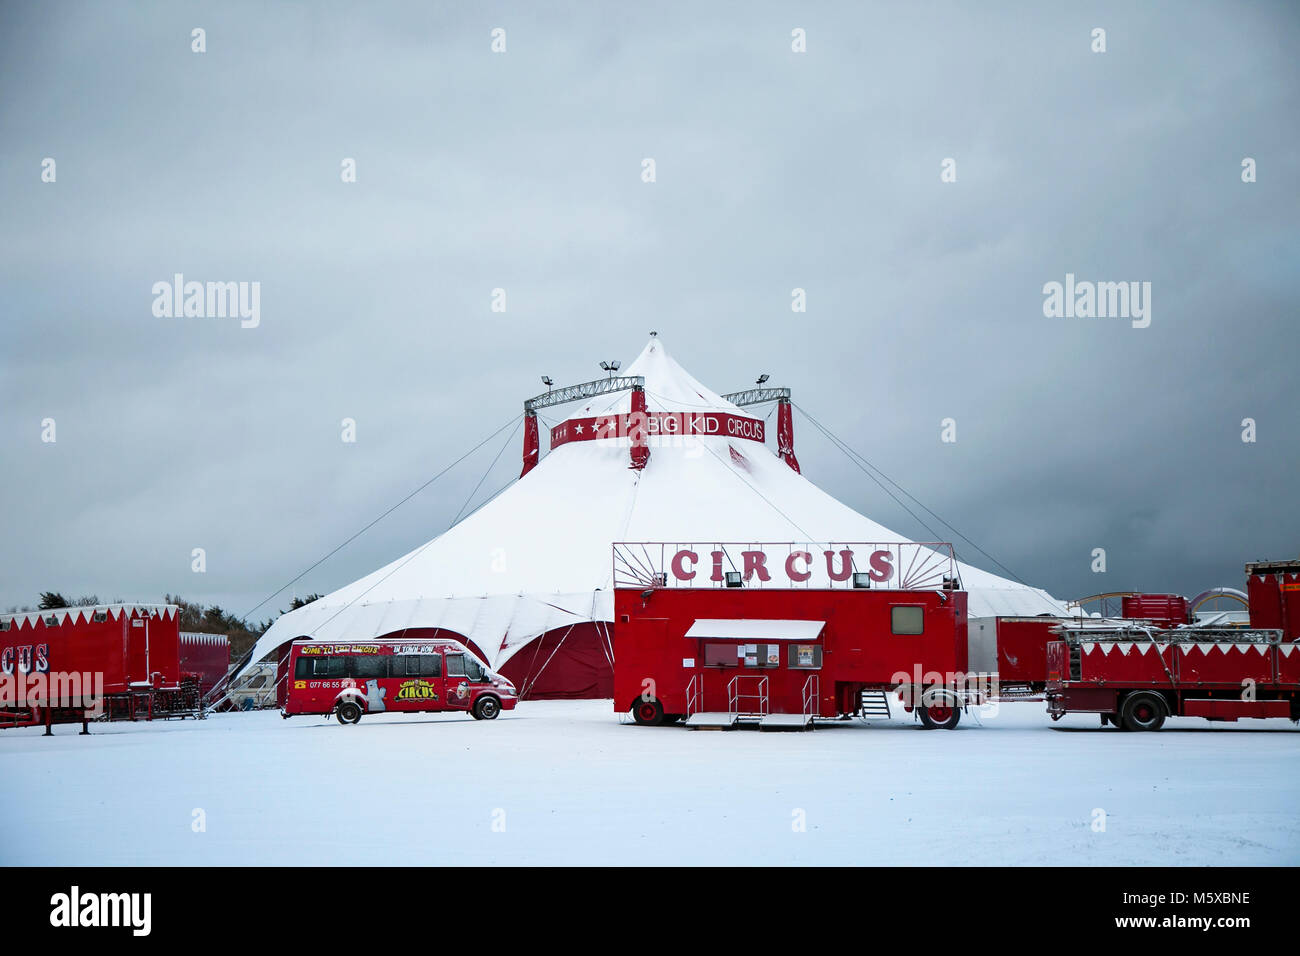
x: 637, y: 426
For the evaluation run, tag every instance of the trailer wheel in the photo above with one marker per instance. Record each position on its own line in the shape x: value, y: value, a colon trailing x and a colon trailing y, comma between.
x: 486, y: 708
x: 940, y: 716
x: 648, y: 713
x: 1144, y: 711
x: 348, y: 712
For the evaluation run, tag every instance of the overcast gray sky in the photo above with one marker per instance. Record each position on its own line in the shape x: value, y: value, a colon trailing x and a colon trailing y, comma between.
x: 522, y: 170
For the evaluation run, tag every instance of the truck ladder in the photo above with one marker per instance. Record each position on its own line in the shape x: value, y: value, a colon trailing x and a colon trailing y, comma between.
x: 874, y: 703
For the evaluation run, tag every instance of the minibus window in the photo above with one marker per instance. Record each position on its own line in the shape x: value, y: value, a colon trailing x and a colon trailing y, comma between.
x: 367, y: 666
x: 318, y: 667
x: 406, y: 665
x: 472, y: 668
x: 455, y: 665
x: 430, y: 665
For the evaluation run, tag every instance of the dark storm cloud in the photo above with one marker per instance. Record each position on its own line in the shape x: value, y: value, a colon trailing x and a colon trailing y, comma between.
x: 775, y: 170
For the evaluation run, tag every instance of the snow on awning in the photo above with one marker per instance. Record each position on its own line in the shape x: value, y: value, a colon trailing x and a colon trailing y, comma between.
x: 751, y: 629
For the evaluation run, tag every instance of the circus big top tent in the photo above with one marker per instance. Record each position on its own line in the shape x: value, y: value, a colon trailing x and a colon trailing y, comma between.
x: 526, y: 580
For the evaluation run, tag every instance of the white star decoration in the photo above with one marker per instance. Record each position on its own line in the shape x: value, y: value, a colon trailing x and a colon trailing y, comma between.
x: 578, y: 429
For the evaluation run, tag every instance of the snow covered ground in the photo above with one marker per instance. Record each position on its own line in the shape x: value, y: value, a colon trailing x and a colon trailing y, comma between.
x: 565, y: 783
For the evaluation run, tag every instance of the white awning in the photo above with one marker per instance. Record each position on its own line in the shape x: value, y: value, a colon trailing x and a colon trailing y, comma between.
x: 756, y: 629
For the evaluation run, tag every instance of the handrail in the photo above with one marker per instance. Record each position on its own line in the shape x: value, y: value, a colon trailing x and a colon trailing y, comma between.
x: 734, y: 696
x: 811, y: 696
x: 694, y: 695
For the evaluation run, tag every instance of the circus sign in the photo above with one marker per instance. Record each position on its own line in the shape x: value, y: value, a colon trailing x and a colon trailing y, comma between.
x: 896, y: 565
x: 657, y: 424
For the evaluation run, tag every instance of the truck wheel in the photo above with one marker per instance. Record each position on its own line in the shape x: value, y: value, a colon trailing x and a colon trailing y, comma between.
x: 944, y: 716
x: 349, y: 712
x: 1144, y: 712
x: 486, y: 708
x: 648, y: 713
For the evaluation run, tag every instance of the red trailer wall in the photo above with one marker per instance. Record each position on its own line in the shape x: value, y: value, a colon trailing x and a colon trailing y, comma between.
x: 1275, y: 602
x: 1168, y: 609
x: 127, y: 647
x: 858, y: 646
x: 1022, y: 648
x: 207, y: 655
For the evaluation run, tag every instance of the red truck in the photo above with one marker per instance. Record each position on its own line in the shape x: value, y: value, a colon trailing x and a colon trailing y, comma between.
x: 1136, y: 674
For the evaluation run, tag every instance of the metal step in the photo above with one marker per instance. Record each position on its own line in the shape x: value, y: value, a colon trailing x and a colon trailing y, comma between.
x: 874, y: 704
x: 786, y: 722
x: 711, y: 720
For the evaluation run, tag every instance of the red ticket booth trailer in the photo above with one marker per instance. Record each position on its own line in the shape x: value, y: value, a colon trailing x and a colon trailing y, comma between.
x: 783, y: 634
x: 121, y: 660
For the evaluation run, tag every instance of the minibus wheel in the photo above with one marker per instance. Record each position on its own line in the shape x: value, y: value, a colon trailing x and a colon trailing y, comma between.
x: 486, y: 708
x: 348, y: 712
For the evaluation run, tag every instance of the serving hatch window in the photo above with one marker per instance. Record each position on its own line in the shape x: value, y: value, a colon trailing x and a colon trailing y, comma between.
x: 742, y: 655
x: 907, y: 619
x: 804, y: 656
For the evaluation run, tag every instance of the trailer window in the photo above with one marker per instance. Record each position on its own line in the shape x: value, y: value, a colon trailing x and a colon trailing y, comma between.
x: 720, y: 655
x: 804, y: 656
x: 742, y: 655
x: 368, y: 666
x: 907, y: 619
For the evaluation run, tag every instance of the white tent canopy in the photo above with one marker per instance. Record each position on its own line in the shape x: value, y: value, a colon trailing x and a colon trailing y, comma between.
x: 538, y: 556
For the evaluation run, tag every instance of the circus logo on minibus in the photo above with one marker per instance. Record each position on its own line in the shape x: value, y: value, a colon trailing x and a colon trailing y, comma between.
x: 417, y: 690
x: 797, y: 567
